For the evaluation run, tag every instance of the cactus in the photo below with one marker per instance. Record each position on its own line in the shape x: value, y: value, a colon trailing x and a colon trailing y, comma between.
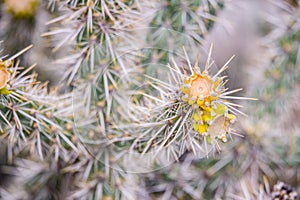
x: 133, y: 110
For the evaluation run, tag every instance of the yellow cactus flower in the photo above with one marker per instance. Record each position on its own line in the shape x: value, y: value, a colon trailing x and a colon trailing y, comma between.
x: 208, y: 97
x: 199, y: 88
x: 202, y: 128
x: 200, y: 85
x: 24, y: 8
x: 4, y: 76
x: 196, y: 126
x: 203, y: 111
x: 231, y: 117
x: 4, y: 72
x: 203, y: 90
x: 206, y: 117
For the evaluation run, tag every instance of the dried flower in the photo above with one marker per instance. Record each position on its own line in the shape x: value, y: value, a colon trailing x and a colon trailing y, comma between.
x: 284, y: 192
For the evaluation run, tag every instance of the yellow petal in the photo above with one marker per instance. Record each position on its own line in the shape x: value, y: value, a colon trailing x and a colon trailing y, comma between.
x: 221, y: 109
x: 202, y: 128
x: 4, y: 75
x: 200, y: 102
x: 196, y: 126
x: 231, y: 116
x: 191, y: 102
x: 206, y: 116
x: 196, y: 116
x: 185, y: 90
x: 207, y: 105
x: 4, y: 91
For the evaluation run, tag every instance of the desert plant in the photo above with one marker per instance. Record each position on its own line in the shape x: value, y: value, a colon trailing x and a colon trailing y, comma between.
x: 138, y: 114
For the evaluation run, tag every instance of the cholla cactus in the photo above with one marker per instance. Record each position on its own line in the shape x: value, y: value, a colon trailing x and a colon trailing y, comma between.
x: 94, y: 31
x: 283, y: 72
x: 83, y: 142
x: 30, y: 119
x: 192, y: 110
x: 175, y: 24
x: 39, y: 124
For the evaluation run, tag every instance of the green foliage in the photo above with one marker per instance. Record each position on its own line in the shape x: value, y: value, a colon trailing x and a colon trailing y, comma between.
x: 282, y: 75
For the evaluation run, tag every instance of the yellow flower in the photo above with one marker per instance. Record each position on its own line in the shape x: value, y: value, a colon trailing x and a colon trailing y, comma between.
x: 210, y: 113
x: 4, y: 73
x: 199, y: 88
x: 4, y: 77
x: 221, y: 109
x: 24, y: 8
x: 196, y: 116
x: 202, y: 128
x: 206, y: 117
x: 203, y: 106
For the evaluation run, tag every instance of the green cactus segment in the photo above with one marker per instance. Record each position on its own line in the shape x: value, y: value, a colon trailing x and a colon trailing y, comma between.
x: 283, y: 74
x: 175, y: 24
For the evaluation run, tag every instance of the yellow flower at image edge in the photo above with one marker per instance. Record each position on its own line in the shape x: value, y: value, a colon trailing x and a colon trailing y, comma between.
x: 4, y: 76
x: 210, y: 117
x: 24, y: 8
